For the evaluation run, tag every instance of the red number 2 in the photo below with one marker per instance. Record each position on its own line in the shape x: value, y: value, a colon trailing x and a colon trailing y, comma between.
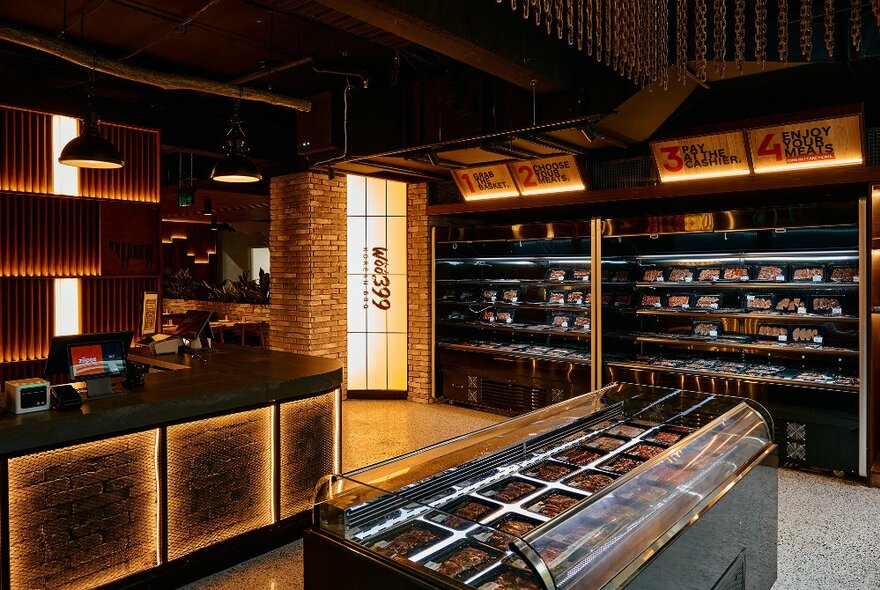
x: 530, y: 175
x: 674, y: 162
x: 765, y: 149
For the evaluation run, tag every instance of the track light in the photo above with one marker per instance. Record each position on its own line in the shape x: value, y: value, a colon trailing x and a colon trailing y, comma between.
x: 89, y: 149
x: 236, y: 166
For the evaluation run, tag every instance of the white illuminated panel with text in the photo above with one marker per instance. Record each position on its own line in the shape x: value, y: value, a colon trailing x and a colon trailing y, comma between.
x: 377, y: 288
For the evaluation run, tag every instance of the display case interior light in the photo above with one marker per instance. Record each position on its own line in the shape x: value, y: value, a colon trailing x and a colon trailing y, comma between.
x: 705, y: 258
x: 517, y: 259
x: 708, y: 175
x: 65, y: 179
x: 67, y: 307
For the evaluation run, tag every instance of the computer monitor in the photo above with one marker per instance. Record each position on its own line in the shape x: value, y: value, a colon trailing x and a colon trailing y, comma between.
x: 93, y: 358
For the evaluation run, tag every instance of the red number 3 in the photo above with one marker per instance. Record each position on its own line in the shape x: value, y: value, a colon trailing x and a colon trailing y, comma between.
x: 674, y: 163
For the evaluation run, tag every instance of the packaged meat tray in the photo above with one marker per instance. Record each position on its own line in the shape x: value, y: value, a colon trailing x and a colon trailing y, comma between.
x: 807, y: 273
x: 548, y: 471
x: 490, y: 295
x: 680, y: 274
x: 510, y: 490
x: 580, y: 274
x: 652, y: 275
x: 467, y: 295
x: 578, y: 455
x: 463, y: 512
x: 605, y: 444
x: 561, y: 320
x: 582, y: 321
x: 770, y: 273
x: 707, y: 301
x: 463, y: 559
x: 406, y: 540
x: 620, y: 276
x: 454, y: 316
x: 507, y: 578
x: 511, y: 295
x: 708, y: 274
x: 556, y: 274
x: 735, y: 273
x: 625, y: 430
x: 651, y: 300
x: 645, y: 450
x: 556, y: 297
x: 844, y: 274
x: 488, y: 315
x: 808, y: 334
x: 621, y: 464
x: 449, y: 295
x: 504, y: 316
x: 707, y: 329
x: 506, y: 527
x: 553, y: 503
x: 622, y: 300
x: 574, y: 298
x: 825, y: 305
x: 773, y: 333
x: 759, y: 302
x: 791, y: 304
x: 678, y: 301
x: 589, y: 481
x: 667, y: 436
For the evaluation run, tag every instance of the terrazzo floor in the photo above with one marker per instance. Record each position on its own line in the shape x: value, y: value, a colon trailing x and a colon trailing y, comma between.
x: 827, y: 526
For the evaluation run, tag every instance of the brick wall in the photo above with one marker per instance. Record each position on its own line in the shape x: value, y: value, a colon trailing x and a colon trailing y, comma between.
x: 251, y: 312
x: 418, y: 261
x: 219, y: 478
x: 85, y: 515
x: 307, y: 245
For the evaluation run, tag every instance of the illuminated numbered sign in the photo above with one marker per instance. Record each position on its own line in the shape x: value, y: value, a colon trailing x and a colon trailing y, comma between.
x: 485, y: 182
x: 705, y: 156
x: 547, y: 175
x: 809, y: 144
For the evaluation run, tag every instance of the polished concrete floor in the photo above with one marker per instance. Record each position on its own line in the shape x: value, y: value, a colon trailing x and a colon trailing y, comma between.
x: 827, y: 527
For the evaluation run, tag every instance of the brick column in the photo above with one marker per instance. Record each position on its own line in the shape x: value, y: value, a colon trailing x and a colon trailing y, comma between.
x: 418, y: 261
x: 308, y: 284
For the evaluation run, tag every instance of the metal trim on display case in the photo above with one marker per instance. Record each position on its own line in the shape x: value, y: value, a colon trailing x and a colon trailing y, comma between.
x: 864, y: 331
x: 500, y: 233
x: 596, y: 310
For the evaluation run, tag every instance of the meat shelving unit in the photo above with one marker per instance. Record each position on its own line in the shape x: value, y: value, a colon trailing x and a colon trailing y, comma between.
x: 629, y: 486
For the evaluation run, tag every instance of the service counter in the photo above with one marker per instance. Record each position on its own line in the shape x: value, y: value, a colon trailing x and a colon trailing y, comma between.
x: 202, y: 466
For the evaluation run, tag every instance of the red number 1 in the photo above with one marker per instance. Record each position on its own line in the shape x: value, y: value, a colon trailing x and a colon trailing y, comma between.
x: 765, y: 149
x: 467, y: 181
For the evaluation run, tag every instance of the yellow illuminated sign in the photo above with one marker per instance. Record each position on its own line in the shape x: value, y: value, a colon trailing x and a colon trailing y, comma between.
x: 704, y: 156
x: 557, y: 174
x: 818, y: 143
x: 485, y: 182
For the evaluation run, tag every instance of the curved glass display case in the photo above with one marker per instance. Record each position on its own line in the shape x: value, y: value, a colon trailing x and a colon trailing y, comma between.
x: 583, y: 494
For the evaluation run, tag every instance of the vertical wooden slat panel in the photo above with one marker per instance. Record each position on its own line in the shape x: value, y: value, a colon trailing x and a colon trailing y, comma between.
x: 114, y: 304
x: 25, y: 319
x: 26, y: 151
x: 138, y: 179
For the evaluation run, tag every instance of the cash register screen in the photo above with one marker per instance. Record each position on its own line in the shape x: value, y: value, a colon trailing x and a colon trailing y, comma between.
x: 99, y: 359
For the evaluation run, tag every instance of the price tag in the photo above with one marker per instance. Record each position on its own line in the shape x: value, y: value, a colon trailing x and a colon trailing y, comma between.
x: 780, y: 277
x: 685, y: 305
x: 856, y: 279
x: 688, y: 279
x: 818, y: 339
x: 713, y: 306
x: 750, y: 297
x: 817, y: 278
x: 659, y: 279
x: 802, y: 310
x: 657, y: 304
x: 713, y: 333
x: 836, y: 311
x: 783, y: 338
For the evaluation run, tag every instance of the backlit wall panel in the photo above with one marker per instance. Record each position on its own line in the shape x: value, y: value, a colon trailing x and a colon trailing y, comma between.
x: 114, y: 304
x: 49, y: 237
x: 138, y: 180
x: 26, y: 319
x: 219, y: 479
x: 85, y: 515
x: 25, y: 151
x: 377, y: 285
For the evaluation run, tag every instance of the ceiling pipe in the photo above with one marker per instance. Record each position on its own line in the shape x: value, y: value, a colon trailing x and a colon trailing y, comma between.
x: 166, y: 81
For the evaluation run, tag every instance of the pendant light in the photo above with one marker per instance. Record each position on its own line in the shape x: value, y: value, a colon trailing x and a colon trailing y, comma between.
x: 89, y: 149
x: 236, y: 166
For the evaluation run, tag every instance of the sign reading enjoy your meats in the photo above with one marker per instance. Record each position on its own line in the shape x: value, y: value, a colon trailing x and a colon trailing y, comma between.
x: 810, y: 144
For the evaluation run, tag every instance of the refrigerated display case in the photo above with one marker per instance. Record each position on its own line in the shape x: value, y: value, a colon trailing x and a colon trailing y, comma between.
x: 764, y: 304
x: 513, y: 314
x: 629, y: 486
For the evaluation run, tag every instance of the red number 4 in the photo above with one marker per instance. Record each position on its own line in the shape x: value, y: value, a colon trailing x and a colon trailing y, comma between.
x: 766, y: 149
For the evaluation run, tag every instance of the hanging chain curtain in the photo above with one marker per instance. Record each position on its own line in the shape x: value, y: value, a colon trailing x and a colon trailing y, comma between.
x: 632, y: 36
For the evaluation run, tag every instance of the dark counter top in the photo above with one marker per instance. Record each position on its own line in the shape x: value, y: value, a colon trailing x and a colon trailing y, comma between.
x: 231, y: 378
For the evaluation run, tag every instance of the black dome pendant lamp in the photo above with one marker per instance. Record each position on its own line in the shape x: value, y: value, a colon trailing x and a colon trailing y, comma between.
x: 89, y: 149
x: 236, y: 166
